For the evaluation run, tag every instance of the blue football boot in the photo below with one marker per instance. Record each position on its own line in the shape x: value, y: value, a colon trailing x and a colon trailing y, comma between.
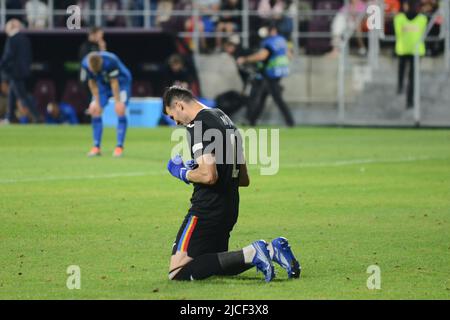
x: 262, y: 260
x: 282, y: 254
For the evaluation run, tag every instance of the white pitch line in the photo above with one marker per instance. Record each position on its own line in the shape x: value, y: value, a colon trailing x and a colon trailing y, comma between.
x: 88, y: 177
x: 341, y: 163
x: 161, y: 172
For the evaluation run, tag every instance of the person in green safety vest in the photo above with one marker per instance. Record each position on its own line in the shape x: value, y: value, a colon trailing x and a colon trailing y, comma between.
x: 410, y: 26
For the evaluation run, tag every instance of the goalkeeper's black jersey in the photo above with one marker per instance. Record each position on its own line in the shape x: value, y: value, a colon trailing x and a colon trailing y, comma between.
x: 212, y: 132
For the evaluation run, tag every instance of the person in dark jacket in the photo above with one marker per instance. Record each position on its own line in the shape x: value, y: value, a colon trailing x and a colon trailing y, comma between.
x: 16, y: 64
x: 94, y: 42
x: 176, y: 73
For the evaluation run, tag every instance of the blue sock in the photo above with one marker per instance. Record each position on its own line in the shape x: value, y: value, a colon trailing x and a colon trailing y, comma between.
x: 121, y: 131
x: 97, y: 130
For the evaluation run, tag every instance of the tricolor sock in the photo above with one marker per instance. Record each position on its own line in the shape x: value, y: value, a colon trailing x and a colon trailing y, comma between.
x: 121, y: 131
x: 214, y: 264
x: 97, y: 131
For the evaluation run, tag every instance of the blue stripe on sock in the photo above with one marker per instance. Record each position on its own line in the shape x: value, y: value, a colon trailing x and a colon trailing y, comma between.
x: 121, y: 130
x: 97, y: 131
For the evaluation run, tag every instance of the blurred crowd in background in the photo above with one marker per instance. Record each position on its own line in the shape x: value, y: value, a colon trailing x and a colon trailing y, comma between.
x: 221, y: 18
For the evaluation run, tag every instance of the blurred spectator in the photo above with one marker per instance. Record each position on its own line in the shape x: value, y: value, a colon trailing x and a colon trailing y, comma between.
x: 60, y: 19
x: 94, y: 42
x: 306, y: 8
x: 391, y: 8
x: 137, y: 6
x: 233, y: 47
x: 85, y: 7
x: 276, y: 10
x: 111, y: 13
x: 169, y: 22
x: 14, y: 5
x: 410, y: 26
x: 16, y: 65
x: 286, y: 24
x: 228, y: 22
x: 428, y: 8
x: 37, y: 14
x: 271, y: 9
x: 208, y: 10
x: 231, y: 101
x: 164, y: 12
x: 348, y: 19
x: 60, y: 113
x: 3, y: 96
x: 175, y: 73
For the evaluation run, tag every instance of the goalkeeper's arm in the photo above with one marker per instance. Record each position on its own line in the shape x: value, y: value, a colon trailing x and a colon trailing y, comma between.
x: 206, y: 172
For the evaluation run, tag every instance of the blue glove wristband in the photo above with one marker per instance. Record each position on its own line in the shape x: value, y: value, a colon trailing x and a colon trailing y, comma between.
x: 183, y: 175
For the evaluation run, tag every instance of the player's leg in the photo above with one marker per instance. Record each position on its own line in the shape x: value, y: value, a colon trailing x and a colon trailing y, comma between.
x: 12, y: 102
x: 233, y: 268
x: 17, y: 99
x: 276, y: 92
x: 122, y: 123
x: 179, y: 256
x: 96, y: 110
x: 193, y: 256
x: 227, y: 263
x: 257, y: 101
x: 23, y: 103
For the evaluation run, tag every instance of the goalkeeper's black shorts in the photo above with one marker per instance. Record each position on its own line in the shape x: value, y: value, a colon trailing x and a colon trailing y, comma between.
x: 198, y: 236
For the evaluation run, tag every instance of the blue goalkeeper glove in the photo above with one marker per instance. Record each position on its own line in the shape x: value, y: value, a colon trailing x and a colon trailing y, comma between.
x: 177, y: 168
x: 191, y: 165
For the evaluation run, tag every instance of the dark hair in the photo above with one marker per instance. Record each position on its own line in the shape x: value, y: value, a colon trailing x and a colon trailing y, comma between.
x: 176, y: 93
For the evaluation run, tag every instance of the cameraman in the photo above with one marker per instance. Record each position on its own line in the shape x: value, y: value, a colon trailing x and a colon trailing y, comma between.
x: 273, y: 62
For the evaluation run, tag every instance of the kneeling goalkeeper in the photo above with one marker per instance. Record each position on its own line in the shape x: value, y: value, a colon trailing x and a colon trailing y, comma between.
x: 201, y: 246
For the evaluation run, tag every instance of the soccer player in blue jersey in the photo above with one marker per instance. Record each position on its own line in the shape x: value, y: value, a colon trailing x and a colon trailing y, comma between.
x: 108, y: 78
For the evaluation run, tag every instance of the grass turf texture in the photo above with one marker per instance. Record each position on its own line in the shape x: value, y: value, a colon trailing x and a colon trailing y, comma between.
x: 345, y: 198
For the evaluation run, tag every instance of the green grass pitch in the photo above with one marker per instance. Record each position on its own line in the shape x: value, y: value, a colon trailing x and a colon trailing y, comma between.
x: 345, y: 198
